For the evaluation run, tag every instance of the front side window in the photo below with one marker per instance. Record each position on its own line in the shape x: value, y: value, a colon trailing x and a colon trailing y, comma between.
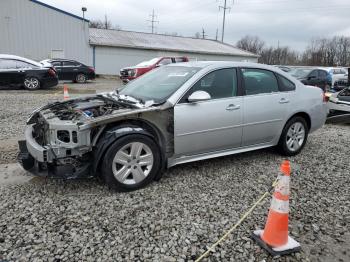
x: 221, y: 83
x: 259, y: 81
x: 159, y: 84
x: 56, y: 63
x: 313, y: 74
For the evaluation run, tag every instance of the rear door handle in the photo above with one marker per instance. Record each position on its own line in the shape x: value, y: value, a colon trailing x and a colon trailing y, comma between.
x: 284, y: 101
x: 233, y: 107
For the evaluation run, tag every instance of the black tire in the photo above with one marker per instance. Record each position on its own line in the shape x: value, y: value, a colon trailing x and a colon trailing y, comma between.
x: 80, y: 78
x: 282, y: 144
x: 107, y: 163
x: 31, y: 83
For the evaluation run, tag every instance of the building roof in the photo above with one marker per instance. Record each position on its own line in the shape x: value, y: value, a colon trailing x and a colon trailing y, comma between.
x: 138, y: 40
x: 59, y: 10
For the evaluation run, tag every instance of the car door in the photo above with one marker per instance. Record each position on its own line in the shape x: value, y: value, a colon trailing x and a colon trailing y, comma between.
x: 322, y: 79
x: 214, y: 124
x: 10, y: 75
x: 265, y: 107
x: 69, y: 70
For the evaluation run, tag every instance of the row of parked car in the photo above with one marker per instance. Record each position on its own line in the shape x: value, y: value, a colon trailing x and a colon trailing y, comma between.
x: 18, y: 72
x: 328, y: 78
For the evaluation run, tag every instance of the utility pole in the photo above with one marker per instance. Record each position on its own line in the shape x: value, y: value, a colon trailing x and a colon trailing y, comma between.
x: 153, y: 21
x: 223, y: 19
x: 217, y: 32
x: 203, y: 33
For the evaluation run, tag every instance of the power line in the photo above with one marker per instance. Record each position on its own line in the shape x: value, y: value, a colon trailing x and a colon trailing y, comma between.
x: 223, y: 19
x: 153, y: 21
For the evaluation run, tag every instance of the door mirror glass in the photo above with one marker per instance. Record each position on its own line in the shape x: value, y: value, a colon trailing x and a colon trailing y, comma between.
x: 199, y: 96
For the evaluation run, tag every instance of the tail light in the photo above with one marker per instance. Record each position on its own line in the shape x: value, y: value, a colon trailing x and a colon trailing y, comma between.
x: 52, y: 72
x: 325, y: 97
x: 91, y: 69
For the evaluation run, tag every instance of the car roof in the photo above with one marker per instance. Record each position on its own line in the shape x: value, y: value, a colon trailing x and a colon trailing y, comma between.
x: 5, y: 56
x: 203, y: 64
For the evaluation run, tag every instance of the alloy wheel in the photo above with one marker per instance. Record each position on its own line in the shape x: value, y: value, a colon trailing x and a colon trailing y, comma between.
x: 31, y: 83
x: 132, y: 163
x: 295, y: 136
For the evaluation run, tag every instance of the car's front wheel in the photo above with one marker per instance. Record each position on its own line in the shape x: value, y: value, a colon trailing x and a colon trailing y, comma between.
x: 80, y: 78
x: 294, y: 136
x: 31, y: 83
x: 131, y: 162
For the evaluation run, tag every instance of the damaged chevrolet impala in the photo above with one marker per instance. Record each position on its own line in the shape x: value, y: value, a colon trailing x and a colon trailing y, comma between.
x: 175, y: 114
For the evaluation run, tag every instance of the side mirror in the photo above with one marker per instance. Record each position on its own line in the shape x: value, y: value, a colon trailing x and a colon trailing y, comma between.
x: 158, y: 65
x: 199, y: 96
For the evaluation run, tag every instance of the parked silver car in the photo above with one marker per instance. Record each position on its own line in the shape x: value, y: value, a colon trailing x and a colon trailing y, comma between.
x: 172, y: 115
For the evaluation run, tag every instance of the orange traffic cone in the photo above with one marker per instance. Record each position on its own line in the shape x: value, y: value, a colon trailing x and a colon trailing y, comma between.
x: 274, y: 238
x: 65, y: 92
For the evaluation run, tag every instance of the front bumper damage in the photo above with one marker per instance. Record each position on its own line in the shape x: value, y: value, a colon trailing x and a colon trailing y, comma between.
x: 43, y: 161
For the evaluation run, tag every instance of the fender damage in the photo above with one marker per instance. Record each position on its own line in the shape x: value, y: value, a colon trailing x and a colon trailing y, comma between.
x: 68, y: 139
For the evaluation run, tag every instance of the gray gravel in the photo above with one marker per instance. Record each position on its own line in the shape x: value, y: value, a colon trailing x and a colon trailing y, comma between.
x: 189, y: 209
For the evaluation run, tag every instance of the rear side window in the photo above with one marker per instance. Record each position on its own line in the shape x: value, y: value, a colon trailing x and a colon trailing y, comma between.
x: 322, y: 74
x: 22, y: 64
x: 259, y: 81
x: 179, y: 59
x: 70, y: 63
x: 285, y: 84
x: 165, y: 61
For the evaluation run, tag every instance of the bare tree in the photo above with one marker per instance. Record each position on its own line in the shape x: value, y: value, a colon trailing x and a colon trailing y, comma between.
x: 197, y: 35
x: 251, y: 43
x: 105, y: 24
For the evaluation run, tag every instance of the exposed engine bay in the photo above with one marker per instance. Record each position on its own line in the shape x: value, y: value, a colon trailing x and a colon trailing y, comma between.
x: 82, y: 109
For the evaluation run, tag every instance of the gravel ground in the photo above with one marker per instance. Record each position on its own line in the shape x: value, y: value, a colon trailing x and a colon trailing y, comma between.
x: 189, y: 209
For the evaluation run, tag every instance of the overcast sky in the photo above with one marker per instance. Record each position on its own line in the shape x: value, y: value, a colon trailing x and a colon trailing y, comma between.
x: 289, y: 22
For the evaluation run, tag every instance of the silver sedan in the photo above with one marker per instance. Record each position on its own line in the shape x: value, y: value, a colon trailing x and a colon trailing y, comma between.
x: 173, y: 115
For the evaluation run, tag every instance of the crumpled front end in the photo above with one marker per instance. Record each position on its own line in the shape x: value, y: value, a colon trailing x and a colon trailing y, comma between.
x: 55, y: 145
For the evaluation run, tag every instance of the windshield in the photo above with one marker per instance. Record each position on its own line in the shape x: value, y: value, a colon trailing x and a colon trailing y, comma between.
x: 300, y: 72
x: 159, y: 84
x: 149, y: 63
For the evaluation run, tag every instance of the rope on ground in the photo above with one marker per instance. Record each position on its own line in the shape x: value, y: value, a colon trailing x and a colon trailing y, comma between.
x: 210, y: 249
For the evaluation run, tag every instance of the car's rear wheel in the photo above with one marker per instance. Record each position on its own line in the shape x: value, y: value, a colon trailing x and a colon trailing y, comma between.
x: 80, y: 78
x: 294, y: 136
x: 31, y: 83
x: 131, y: 162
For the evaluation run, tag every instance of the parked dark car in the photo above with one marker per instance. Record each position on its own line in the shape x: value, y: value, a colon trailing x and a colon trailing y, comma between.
x: 72, y: 70
x: 17, y: 72
x: 313, y: 77
x: 132, y: 72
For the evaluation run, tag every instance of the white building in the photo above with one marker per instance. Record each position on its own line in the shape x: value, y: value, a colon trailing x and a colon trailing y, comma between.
x: 113, y: 50
x: 39, y: 31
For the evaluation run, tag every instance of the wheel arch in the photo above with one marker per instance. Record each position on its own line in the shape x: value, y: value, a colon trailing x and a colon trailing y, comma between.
x: 304, y: 115
x: 116, y: 130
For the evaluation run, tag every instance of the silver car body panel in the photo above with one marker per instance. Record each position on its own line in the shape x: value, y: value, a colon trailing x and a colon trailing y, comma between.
x: 200, y: 130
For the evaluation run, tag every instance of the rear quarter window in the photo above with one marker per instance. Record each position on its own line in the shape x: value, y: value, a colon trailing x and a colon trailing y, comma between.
x: 285, y: 84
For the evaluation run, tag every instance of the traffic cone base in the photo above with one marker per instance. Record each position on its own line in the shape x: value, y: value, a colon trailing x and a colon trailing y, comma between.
x: 290, y: 247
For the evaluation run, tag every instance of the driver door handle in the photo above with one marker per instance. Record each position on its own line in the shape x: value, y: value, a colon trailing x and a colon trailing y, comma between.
x: 233, y: 107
